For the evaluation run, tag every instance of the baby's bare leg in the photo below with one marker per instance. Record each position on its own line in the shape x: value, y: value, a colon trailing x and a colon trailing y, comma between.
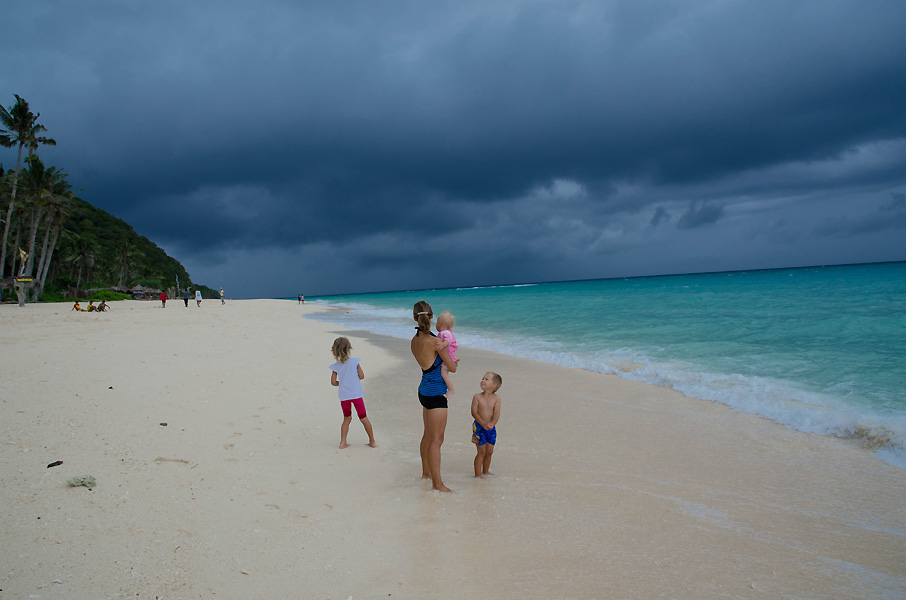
x: 445, y: 373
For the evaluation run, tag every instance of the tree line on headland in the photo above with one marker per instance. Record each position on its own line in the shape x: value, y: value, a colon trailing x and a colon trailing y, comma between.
x: 56, y: 245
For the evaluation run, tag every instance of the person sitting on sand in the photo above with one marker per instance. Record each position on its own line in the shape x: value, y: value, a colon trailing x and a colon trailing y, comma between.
x: 91, y: 306
x: 103, y: 306
x: 76, y: 307
x: 486, y: 412
x: 347, y: 374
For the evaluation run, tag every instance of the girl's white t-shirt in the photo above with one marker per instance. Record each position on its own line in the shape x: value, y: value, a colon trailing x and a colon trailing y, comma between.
x: 348, y: 375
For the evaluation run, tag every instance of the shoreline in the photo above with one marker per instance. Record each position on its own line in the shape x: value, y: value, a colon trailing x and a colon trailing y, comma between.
x: 806, y: 411
x: 605, y: 487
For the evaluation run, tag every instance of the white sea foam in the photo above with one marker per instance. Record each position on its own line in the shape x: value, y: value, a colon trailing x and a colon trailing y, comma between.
x: 779, y: 401
x: 791, y: 349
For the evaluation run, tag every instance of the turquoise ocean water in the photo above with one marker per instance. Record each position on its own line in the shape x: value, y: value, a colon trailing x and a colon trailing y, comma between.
x: 820, y: 349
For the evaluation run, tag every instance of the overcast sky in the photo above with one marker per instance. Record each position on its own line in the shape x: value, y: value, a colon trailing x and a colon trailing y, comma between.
x: 278, y: 147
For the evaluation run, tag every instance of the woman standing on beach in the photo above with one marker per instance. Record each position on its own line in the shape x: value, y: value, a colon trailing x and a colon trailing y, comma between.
x: 431, y: 392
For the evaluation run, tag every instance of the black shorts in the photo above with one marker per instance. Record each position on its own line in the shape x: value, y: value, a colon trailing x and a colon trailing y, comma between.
x: 430, y: 402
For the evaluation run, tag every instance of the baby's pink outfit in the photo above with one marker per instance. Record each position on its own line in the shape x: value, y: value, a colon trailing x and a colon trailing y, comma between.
x: 447, y: 336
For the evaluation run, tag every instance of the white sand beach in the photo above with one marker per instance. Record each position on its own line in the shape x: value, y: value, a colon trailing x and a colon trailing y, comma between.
x: 212, y: 434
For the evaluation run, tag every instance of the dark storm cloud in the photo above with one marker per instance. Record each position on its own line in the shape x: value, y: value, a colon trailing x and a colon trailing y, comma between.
x: 528, y: 140
x: 659, y: 215
x: 700, y: 215
x: 890, y: 216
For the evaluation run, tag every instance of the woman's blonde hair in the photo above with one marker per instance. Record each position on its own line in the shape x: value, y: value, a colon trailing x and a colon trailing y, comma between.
x: 422, y: 313
x: 341, y: 349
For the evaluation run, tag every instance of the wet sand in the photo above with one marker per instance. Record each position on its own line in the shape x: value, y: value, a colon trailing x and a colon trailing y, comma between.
x: 212, y: 433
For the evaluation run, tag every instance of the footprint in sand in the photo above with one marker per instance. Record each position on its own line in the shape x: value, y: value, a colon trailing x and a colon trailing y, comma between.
x: 227, y: 446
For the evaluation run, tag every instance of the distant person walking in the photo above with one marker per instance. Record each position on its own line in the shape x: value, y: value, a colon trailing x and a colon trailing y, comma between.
x: 185, y: 297
x: 222, y: 301
x: 163, y: 298
x: 198, y: 298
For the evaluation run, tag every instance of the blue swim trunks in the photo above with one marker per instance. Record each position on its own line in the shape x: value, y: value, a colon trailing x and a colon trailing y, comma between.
x: 482, y: 436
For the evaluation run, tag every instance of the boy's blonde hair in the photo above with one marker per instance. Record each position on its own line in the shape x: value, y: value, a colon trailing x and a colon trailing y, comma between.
x: 446, y: 319
x: 341, y: 349
x: 497, y: 379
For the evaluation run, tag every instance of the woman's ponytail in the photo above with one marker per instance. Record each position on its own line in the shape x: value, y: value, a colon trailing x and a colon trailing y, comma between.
x: 422, y: 314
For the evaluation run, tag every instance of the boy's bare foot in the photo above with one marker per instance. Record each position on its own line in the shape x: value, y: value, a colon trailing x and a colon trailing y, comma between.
x: 373, y: 444
x: 425, y: 476
x: 442, y: 488
x: 488, y: 473
x: 343, y: 445
x: 479, y: 477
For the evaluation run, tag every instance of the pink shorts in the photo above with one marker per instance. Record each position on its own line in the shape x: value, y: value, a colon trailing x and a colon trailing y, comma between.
x: 346, y: 405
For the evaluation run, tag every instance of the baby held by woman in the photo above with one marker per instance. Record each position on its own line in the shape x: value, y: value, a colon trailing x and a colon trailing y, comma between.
x: 445, y: 322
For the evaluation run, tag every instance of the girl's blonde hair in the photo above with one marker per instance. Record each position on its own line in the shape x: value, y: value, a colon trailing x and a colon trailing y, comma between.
x: 341, y: 349
x: 423, y: 313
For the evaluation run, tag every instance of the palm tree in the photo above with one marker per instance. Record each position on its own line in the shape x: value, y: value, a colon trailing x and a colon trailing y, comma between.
x: 127, y: 256
x: 19, y: 127
x: 82, y: 254
x: 40, y: 185
x: 58, y: 202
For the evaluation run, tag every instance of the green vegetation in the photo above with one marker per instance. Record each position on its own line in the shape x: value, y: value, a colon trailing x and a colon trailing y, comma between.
x: 107, y: 295
x: 65, y: 245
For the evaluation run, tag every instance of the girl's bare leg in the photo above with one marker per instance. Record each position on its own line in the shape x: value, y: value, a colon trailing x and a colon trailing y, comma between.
x: 344, y: 430
x: 367, y: 424
x: 435, y: 424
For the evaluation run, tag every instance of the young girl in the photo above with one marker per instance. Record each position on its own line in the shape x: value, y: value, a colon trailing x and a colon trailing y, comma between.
x: 445, y: 324
x: 346, y: 375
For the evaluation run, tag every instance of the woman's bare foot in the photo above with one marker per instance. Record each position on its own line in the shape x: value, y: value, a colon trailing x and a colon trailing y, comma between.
x: 373, y: 444
x: 343, y: 445
x: 442, y: 488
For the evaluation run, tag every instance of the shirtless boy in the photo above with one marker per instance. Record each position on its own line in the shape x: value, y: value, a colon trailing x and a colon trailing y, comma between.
x: 486, y: 412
